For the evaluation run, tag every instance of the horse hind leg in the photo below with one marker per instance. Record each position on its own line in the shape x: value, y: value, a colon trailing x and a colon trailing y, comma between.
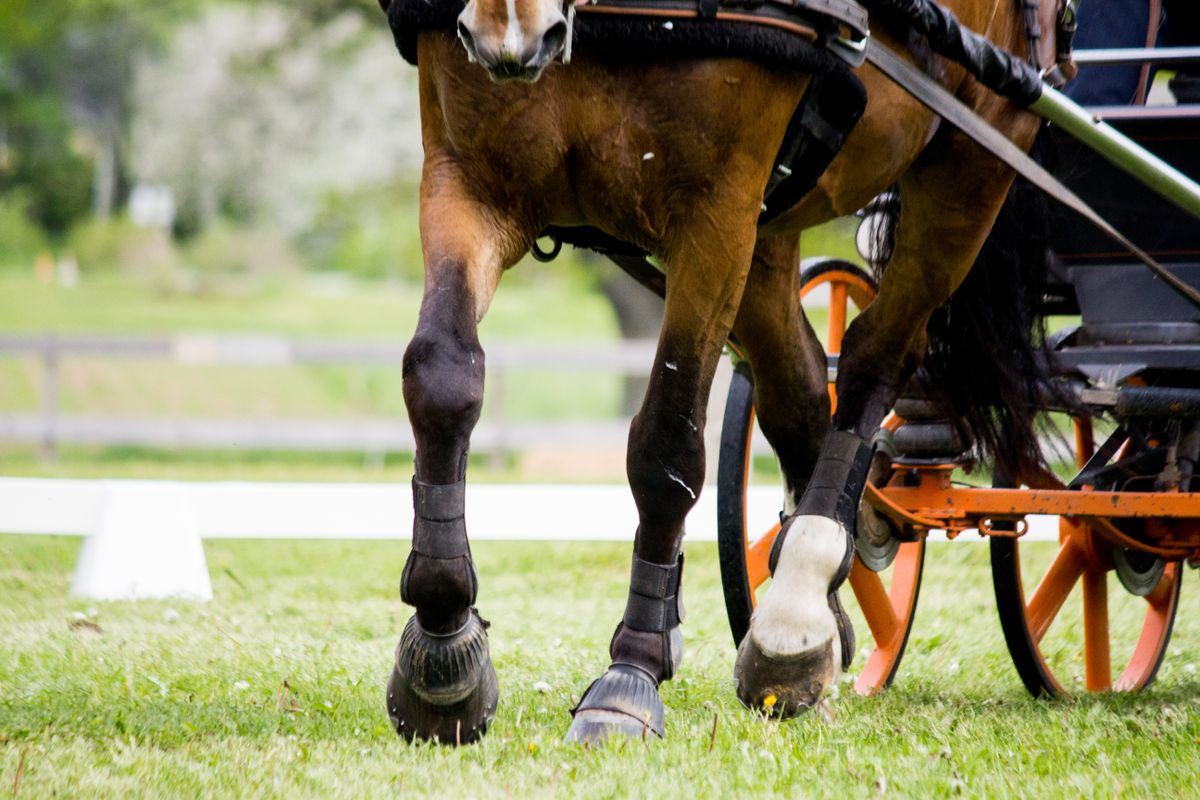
x: 951, y: 198
x: 665, y: 465
x: 443, y: 686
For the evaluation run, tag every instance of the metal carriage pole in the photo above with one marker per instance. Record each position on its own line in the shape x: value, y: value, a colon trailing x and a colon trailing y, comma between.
x: 1118, y: 149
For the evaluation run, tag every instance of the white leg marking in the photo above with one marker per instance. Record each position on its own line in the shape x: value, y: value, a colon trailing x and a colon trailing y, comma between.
x: 793, y: 615
x: 790, y: 500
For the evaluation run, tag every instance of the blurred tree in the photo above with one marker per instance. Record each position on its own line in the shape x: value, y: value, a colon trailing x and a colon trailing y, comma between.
x: 279, y: 114
x: 66, y: 73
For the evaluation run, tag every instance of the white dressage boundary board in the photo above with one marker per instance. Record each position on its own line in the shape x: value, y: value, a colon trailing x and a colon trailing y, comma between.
x: 242, y: 510
x: 143, y: 538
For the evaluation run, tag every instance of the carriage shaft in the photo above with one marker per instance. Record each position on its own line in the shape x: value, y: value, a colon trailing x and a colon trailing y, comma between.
x: 1119, y: 149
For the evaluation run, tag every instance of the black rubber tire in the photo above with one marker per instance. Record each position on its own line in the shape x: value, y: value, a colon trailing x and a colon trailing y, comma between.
x: 731, y: 483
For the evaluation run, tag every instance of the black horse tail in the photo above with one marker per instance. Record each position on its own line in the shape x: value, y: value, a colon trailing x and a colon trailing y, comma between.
x: 986, y: 365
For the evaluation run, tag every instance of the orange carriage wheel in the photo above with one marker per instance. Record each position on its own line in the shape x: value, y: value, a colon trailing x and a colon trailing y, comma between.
x: 887, y: 599
x: 1074, y: 610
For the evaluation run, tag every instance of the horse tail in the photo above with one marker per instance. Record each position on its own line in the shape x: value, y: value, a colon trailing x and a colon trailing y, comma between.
x: 986, y: 365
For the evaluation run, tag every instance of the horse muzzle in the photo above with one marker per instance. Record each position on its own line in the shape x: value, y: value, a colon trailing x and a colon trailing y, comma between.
x: 514, y: 56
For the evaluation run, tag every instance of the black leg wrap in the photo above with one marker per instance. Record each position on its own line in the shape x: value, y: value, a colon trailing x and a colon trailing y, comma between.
x: 443, y: 687
x: 439, y: 529
x: 834, y: 491
x: 646, y: 648
x: 654, y: 606
x: 838, y: 479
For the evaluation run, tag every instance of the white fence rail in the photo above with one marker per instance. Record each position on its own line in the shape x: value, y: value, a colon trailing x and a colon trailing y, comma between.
x: 49, y: 427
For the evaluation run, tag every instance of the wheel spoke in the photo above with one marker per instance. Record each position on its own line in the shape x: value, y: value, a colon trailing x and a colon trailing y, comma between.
x: 837, y: 317
x: 875, y: 604
x: 1085, y: 441
x: 1156, y: 627
x: 758, y: 558
x: 1054, y: 588
x: 1096, y: 649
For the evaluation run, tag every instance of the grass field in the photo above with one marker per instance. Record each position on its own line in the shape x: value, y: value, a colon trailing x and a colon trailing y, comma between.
x: 276, y: 689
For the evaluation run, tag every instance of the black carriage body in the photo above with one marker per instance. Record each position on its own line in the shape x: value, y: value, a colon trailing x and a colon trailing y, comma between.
x: 1133, y: 323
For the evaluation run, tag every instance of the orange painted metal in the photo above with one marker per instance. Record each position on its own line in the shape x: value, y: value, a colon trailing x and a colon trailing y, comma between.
x: 1064, y: 572
x: 934, y: 504
x: 1085, y: 441
x: 877, y: 607
x: 1155, y: 628
x: 758, y: 556
x: 837, y: 317
x: 887, y: 613
x: 957, y: 506
x: 1096, y: 646
x: 843, y: 287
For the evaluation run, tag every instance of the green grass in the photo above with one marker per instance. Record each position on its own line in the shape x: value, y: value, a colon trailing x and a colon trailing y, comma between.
x: 276, y: 689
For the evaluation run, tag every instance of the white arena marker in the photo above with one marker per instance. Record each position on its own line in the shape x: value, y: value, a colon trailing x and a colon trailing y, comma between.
x: 146, y: 545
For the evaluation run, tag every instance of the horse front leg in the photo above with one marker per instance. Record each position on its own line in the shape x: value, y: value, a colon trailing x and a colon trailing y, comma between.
x: 443, y: 685
x: 665, y: 464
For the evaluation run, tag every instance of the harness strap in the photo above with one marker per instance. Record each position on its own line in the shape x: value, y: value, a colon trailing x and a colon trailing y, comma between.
x: 439, y: 502
x: 1067, y: 25
x: 842, y: 25
x: 994, y: 67
x: 1033, y: 32
x: 1155, y: 22
x: 655, y: 603
x: 832, y: 106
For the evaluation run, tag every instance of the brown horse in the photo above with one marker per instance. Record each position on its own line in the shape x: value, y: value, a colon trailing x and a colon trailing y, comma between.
x: 673, y: 156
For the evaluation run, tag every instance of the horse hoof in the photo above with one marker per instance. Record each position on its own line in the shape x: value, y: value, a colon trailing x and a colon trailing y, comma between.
x: 443, y: 688
x: 623, y: 702
x: 783, y: 686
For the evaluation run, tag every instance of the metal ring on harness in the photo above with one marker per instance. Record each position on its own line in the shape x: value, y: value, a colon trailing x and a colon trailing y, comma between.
x: 546, y: 256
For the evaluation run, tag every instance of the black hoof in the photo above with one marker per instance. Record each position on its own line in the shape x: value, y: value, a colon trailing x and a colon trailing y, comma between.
x: 443, y: 687
x: 782, y: 686
x: 625, y: 702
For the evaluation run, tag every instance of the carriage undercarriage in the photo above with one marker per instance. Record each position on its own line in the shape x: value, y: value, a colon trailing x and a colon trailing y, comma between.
x: 1124, y: 505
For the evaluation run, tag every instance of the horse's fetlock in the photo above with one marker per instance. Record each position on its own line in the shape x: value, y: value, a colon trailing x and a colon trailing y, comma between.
x: 442, y: 590
x: 443, y: 377
x: 658, y: 653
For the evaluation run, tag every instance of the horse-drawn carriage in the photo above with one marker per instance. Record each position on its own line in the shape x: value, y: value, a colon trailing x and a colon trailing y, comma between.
x: 1123, y: 508
x: 692, y: 141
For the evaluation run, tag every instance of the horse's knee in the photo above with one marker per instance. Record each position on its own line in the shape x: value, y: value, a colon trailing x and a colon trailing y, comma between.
x: 443, y: 389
